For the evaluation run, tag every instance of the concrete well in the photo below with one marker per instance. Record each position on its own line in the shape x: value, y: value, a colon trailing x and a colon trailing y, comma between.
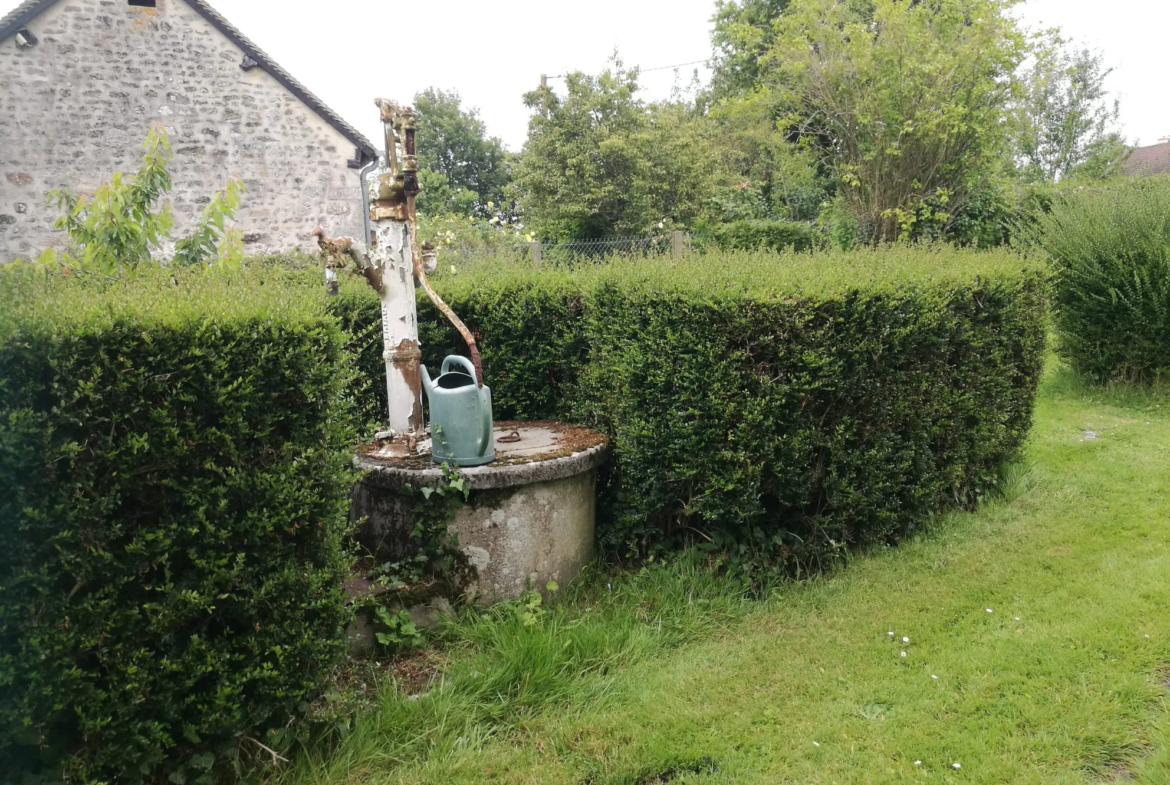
x: 529, y: 519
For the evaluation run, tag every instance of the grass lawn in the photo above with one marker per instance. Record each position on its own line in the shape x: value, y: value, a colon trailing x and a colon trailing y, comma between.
x: 1039, y: 642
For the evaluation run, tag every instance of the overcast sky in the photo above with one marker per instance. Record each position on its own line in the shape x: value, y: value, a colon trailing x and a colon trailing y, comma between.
x: 351, y: 51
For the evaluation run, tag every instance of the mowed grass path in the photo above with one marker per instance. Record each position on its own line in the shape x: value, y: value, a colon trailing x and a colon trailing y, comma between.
x: 1045, y: 617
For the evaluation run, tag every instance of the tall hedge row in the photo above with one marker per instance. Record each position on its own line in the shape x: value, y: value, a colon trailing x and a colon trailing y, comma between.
x: 1110, y: 250
x: 786, y: 406
x: 174, y: 464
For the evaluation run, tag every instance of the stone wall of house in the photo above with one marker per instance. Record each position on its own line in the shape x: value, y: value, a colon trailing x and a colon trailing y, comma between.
x: 76, y: 107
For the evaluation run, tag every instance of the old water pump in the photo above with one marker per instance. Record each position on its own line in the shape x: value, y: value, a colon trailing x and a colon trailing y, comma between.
x: 535, y: 523
x: 394, y: 264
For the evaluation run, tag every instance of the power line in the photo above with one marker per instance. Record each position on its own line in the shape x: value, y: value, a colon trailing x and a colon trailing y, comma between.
x: 544, y: 77
x: 668, y: 67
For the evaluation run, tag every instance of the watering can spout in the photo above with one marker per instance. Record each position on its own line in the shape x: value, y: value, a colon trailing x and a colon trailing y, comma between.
x: 427, y: 384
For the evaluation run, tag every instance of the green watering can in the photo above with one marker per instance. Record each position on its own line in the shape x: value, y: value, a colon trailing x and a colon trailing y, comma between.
x: 461, y: 415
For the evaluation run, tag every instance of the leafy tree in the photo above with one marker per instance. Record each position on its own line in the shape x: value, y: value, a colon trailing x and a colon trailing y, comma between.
x: 772, y: 177
x: 1102, y: 159
x: 121, y: 226
x: 1065, y: 120
x: 461, y: 168
x: 743, y: 32
x: 905, y: 101
x: 600, y: 162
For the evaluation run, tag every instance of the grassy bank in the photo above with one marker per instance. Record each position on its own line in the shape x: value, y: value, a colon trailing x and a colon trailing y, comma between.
x: 1038, y: 627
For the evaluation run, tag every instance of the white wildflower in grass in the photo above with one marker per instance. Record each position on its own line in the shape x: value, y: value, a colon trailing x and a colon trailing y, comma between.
x: 956, y: 766
x: 934, y: 677
x: 816, y: 744
x: 989, y: 610
x: 903, y: 654
x: 891, y: 633
x: 917, y: 763
x: 905, y: 640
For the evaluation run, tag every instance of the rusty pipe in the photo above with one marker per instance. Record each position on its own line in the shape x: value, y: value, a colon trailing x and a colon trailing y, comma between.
x: 400, y: 126
x: 389, y: 112
x: 407, y: 126
x: 420, y: 274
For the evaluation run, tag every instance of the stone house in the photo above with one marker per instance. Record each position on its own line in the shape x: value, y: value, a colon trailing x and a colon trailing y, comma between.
x: 82, y: 81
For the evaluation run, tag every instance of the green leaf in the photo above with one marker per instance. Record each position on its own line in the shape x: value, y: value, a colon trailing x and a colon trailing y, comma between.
x: 203, y: 761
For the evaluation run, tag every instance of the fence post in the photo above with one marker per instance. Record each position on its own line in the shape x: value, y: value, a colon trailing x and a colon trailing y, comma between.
x: 677, y: 246
x: 535, y: 247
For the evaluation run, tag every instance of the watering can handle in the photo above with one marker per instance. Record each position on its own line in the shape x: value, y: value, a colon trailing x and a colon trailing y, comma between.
x: 456, y: 359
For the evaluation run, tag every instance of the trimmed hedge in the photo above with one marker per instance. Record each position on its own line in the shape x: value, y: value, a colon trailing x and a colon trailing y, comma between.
x: 1110, y: 249
x: 174, y: 461
x: 780, y: 405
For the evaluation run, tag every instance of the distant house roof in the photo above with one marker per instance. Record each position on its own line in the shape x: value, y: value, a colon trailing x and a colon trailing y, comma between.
x: 1154, y: 159
x: 14, y: 20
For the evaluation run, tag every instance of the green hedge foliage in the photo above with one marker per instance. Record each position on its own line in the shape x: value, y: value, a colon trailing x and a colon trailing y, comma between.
x: 785, y: 405
x: 1110, y: 248
x: 762, y: 235
x: 174, y: 458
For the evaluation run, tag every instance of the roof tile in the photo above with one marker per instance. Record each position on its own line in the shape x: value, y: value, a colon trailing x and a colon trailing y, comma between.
x: 1154, y: 159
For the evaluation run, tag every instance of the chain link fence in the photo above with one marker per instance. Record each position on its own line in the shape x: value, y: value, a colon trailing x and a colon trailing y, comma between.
x: 581, y: 251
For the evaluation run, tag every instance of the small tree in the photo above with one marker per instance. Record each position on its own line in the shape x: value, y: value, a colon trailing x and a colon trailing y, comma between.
x: 460, y: 166
x: 742, y: 34
x: 906, y: 101
x: 600, y: 162
x: 122, y: 225
x: 1065, y: 120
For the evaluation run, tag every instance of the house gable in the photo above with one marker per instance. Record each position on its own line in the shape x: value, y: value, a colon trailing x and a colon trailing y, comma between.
x: 76, y: 105
x: 365, y: 152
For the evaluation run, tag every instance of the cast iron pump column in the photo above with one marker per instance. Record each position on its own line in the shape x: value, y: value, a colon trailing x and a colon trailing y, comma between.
x: 393, y: 265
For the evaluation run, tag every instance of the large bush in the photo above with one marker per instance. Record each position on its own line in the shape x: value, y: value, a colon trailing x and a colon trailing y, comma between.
x: 762, y: 235
x: 1110, y: 247
x: 173, y: 455
x: 788, y: 405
